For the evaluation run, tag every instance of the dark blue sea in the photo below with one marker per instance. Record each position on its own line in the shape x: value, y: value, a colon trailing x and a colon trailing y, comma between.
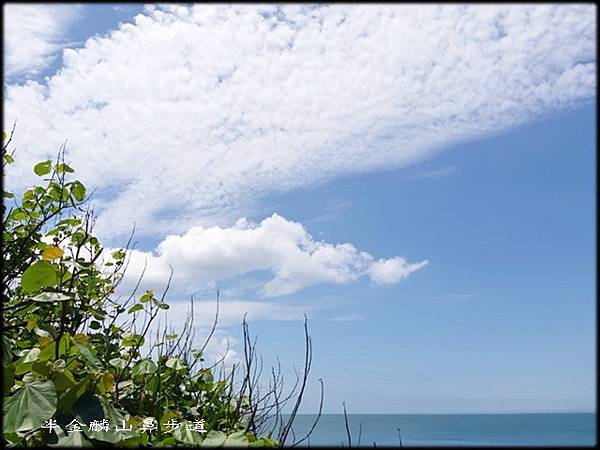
x: 555, y: 429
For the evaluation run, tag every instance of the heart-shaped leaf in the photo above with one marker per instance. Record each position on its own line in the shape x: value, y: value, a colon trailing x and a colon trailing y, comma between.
x: 43, y: 168
x: 49, y: 297
x: 38, y: 276
x: 33, y: 404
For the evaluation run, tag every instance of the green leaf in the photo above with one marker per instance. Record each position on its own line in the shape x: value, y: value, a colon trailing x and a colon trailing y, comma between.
x: 78, y: 191
x: 161, y: 305
x: 33, y: 404
x: 62, y: 168
x: 118, y: 363
x: 41, y: 367
x: 147, y: 296
x: 71, y: 395
x: 59, y: 365
x: 8, y: 378
x: 19, y: 214
x: 237, y: 439
x: 9, y: 159
x: 133, y: 340
x: 115, y: 416
x: 6, y: 351
x: 187, y: 436
x: 99, y: 315
x: 29, y: 378
x: 175, y: 364
x: 76, y: 440
x: 88, y: 355
x: 50, y: 297
x: 30, y: 355
x: 43, y: 168
x: 118, y: 254
x: 37, y: 276
x: 32, y: 321
x: 144, y: 367
x: 214, y: 438
x: 105, y: 382
x: 135, y: 308
x: 62, y: 380
x: 29, y: 195
x: 95, y: 325
x: 73, y: 221
x: 264, y: 443
x: 169, y: 442
x: 90, y: 407
x: 23, y: 364
x: 66, y: 277
x: 203, y: 376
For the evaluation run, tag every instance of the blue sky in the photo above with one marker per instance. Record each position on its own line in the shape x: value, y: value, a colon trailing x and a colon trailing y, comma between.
x: 423, y: 190
x: 504, y: 316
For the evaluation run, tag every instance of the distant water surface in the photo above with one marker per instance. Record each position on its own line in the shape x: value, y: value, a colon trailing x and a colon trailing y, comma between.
x: 556, y: 429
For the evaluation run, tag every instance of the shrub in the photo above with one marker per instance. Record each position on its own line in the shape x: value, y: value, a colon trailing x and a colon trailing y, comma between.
x: 73, y: 356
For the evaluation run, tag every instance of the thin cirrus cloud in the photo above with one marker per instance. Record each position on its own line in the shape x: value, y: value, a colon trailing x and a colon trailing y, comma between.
x: 191, y: 115
x: 34, y: 34
x: 281, y: 247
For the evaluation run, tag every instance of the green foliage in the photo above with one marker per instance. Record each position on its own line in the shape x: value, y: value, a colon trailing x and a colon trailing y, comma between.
x: 43, y: 168
x: 70, y: 352
x: 34, y: 403
x: 39, y: 275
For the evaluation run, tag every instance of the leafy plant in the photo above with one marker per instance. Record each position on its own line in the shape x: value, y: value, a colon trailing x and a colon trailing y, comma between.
x: 72, y: 350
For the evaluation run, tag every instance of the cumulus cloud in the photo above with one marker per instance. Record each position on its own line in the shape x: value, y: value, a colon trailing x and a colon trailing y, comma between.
x: 279, y: 246
x: 190, y: 115
x: 34, y: 35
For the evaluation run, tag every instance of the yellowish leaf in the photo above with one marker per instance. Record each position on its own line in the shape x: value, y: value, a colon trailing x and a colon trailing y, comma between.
x: 105, y: 382
x: 44, y: 341
x: 32, y: 323
x: 52, y: 253
x: 109, y: 381
x: 80, y: 338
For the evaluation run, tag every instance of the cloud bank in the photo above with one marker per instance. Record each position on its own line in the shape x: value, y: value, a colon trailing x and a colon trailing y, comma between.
x: 190, y: 115
x: 281, y: 247
x: 34, y: 35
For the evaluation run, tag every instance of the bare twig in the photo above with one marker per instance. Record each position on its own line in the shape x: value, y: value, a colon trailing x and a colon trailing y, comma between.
x: 347, y: 427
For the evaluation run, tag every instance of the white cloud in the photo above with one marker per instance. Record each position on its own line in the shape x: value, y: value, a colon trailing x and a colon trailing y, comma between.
x: 282, y: 247
x: 429, y: 174
x: 34, y: 34
x: 190, y: 115
x: 389, y: 271
x: 332, y: 210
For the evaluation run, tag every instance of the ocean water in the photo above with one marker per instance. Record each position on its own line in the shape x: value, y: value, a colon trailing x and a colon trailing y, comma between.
x: 555, y: 429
